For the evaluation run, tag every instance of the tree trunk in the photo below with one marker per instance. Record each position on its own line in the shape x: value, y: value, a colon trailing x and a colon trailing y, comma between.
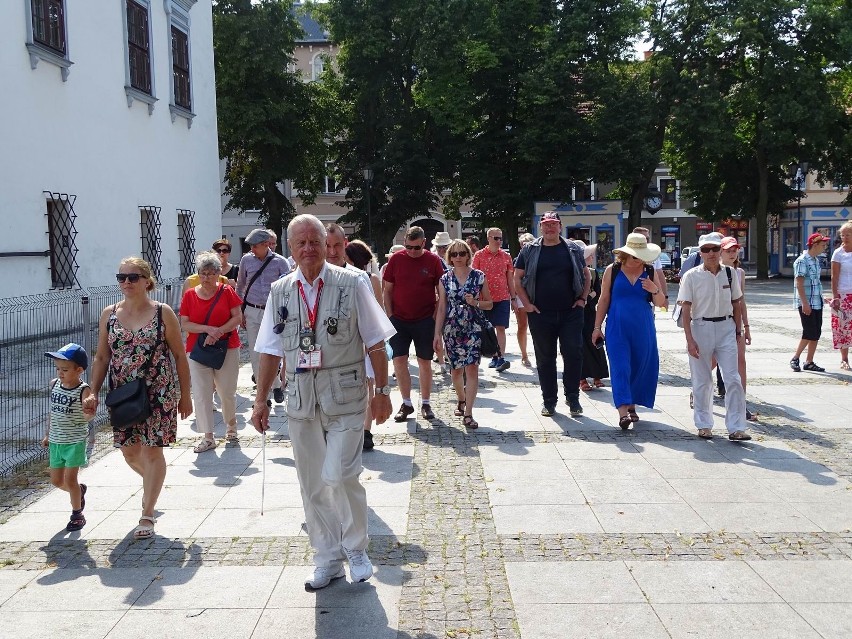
x: 760, y: 216
x: 275, y: 218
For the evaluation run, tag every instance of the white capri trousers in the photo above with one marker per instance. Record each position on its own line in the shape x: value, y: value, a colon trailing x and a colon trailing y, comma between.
x: 205, y: 380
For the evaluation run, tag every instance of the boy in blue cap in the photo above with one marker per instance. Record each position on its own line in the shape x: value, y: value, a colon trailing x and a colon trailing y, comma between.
x: 68, y: 428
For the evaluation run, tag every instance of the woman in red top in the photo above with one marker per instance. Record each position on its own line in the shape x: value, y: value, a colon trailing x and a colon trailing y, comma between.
x: 224, y: 320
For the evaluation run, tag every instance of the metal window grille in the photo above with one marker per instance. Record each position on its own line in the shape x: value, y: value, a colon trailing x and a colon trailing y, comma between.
x: 61, y: 236
x: 180, y: 68
x: 186, y: 241
x: 150, y: 223
x: 49, y: 23
x: 138, y: 46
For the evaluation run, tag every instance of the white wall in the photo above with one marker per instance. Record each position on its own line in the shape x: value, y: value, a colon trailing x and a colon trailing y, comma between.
x: 80, y: 137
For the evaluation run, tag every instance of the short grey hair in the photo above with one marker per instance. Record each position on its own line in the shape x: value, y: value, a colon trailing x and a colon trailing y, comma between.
x: 306, y: 219
x: 208, y: 261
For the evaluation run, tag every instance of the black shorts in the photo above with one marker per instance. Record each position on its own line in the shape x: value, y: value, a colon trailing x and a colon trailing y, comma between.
x: 421, y: 332
x: 811, y: 324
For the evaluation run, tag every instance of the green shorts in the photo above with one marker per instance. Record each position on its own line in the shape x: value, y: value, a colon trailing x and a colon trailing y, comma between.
x: 68, y: 455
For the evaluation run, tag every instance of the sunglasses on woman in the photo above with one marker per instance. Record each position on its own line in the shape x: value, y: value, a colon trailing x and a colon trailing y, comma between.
x: 453, y: 254
x: 223, y: 250
x: 133, y: 277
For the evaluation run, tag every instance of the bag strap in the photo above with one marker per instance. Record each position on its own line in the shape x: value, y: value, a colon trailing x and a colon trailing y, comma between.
x: 255, y: 276
x: 210, y: 311
x: 147, y: 365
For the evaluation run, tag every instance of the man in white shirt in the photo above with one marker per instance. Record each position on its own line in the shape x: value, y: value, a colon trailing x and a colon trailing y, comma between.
x: 712, y: 320
x: 319, y: 318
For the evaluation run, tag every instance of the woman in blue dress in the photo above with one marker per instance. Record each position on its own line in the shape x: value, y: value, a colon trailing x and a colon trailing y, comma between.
x: 627, y: 300
x: 463, y: 290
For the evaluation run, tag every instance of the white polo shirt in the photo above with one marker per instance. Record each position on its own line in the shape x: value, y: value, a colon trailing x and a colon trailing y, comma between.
x: 373, y: 325
x: 710, y: 295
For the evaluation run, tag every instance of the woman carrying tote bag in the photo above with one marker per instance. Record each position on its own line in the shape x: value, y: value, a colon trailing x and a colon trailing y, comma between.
x: 211, y: 312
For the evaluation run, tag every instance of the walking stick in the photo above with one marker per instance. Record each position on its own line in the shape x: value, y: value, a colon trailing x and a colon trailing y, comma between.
x: 263, y: 470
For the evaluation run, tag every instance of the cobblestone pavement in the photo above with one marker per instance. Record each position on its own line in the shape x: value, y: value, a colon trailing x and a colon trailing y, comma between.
x: 453, y: 559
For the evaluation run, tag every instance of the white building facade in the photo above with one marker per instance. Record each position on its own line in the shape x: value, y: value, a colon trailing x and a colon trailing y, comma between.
x: 108, y: 143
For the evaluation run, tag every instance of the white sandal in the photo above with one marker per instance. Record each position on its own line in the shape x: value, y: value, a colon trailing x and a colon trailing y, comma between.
x: 144, y: 531
x: 204, y: 445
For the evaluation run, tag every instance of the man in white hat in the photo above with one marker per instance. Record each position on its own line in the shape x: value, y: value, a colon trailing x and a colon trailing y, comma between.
x: 440, y: 243
x: 500, y: 276
x: 712, y: 320
x: 258, y: 269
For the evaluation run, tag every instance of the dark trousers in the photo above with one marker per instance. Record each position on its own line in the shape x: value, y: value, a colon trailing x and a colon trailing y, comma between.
x: 565, y: 327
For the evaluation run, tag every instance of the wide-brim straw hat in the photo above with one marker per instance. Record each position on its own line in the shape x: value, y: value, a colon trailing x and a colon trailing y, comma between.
x: 639, y: 247
x: 588, y: 249
x: 396, y: 248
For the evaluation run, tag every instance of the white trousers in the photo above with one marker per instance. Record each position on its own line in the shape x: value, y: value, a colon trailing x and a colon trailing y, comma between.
x: 253, y: 318
x: 224, y: 381
x: 327, y: 451
x: 717, y: 339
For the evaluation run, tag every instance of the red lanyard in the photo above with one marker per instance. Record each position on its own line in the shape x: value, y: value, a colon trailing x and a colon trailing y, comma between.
x: 312, y: 314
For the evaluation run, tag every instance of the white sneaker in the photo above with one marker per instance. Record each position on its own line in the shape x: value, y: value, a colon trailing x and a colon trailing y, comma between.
x: 321, y: 577
x: 360, y: 568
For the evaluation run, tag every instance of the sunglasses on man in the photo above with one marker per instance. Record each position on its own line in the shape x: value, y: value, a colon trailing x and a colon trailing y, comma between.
x: 711, y: 249
x: 413, y: 248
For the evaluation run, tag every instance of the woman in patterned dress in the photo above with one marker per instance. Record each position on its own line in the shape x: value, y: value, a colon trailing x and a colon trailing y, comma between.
x: 129, y: 331
x: 841, y: 295
x: 456, y: 320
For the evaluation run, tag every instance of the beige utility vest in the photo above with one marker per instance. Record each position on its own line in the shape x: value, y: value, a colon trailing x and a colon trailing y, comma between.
x: 340, y: 386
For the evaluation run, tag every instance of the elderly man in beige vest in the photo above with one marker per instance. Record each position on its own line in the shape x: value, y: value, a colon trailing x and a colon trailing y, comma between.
x: 319, y: 318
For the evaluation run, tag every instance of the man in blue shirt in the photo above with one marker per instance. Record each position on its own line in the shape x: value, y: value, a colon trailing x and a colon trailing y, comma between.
x: 808, y: 289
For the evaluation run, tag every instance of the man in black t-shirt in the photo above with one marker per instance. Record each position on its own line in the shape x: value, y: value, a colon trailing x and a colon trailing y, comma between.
x: 552, y: 282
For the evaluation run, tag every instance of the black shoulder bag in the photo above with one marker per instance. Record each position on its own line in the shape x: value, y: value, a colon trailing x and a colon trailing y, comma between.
x: 128, y: 404
x: 253, y: 278
x: 212, y: 355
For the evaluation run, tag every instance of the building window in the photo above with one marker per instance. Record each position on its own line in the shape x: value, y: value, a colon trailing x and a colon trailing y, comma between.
x: 330, y: 182
x: 139, y: 47
x: 585, y: 191
x: 61, y: 236
x: 668, y: 189
x: 180, y: 68
x: 317, y: 66
x: 47, y: 40
x: 186, y: 241
x: 49, y: 24
x: 150, y: 223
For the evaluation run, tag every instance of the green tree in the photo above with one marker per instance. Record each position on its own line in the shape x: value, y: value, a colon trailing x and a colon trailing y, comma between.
x: 761, y: 93
x: 273, y: 126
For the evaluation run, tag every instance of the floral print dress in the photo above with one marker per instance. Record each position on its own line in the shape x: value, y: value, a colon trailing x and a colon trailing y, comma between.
x: 462, y: 333
x: 130, y: 352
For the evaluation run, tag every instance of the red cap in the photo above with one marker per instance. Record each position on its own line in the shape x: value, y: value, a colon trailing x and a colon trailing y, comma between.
x: 551, y: 216
x: 729, y: 241
x: 813, y: 238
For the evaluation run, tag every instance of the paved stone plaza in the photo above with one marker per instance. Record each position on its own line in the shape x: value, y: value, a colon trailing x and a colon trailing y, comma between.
x: 530, y: 527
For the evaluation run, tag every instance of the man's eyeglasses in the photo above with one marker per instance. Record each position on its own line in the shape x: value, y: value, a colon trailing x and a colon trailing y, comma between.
x: 133, y: 277
x: 413, y: 248
x: 453, y: 254
x: 282, y: 315
x: 496, y: 239
x: 711, y: 249
x: 223, y: 250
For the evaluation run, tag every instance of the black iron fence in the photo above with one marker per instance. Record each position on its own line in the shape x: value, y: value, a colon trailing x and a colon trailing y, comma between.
x: 31, y: 326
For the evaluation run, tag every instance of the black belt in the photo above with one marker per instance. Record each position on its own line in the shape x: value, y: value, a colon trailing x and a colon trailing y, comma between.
x: 260, y: 306
x: 717, y: 319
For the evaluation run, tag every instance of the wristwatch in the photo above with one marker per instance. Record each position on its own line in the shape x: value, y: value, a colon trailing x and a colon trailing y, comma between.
x: 383, y: 390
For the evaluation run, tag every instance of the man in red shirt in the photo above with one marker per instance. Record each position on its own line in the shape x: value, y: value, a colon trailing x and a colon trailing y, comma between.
x: 499, y: 274
x: 410, y: 290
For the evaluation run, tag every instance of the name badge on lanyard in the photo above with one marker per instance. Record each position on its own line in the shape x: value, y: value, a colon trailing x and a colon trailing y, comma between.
x: 309, y: 355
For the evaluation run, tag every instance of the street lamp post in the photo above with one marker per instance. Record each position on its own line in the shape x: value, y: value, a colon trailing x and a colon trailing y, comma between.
x: 798, y: 173
x: 368, y: 180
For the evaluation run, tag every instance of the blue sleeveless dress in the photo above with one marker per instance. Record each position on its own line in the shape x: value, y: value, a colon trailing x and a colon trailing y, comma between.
x: 631, y: 343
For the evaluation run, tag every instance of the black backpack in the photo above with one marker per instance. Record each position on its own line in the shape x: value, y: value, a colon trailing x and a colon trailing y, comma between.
x: 616, y: 268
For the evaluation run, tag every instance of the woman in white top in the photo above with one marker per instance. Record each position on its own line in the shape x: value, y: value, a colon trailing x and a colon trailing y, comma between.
x: 841, y: 295
x: 731, y: 257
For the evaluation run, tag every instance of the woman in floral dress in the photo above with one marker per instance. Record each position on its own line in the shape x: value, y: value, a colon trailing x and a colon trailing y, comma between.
x: 463, y: 290
x: 129, y: 332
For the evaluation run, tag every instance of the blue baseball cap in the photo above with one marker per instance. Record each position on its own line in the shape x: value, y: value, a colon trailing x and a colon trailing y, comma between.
x: 72, y: 353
